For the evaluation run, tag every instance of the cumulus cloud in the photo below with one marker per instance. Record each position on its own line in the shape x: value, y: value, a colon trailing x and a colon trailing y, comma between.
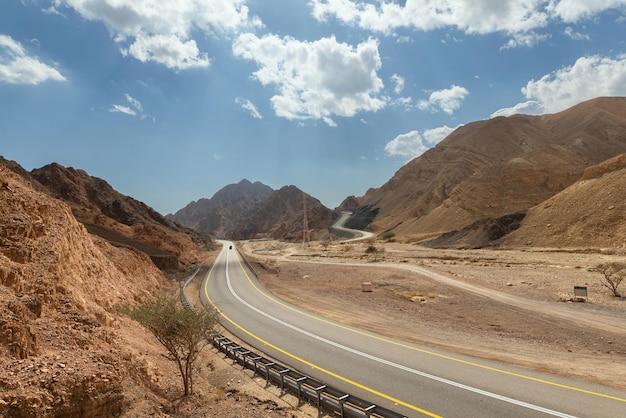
x: 446, y: 100
x: 249, y: 106
x: 587, y: 78
x: 168, y: 50
x: 478, y: 17
x: 519, y: 19
x: 318, y: 79
x: 18, y: 67
x: 132, y: 107
x: 576, y: 10
x: 160, y: 30
x: 413, y: 144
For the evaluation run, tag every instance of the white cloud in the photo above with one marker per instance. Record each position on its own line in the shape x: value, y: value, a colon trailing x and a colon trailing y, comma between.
x: 17, y: 67
x: 168, y: 50
x: 413, y: 144
x: 530, y: 107
x: 529, y: 39
x: 328, y: 121
x: 249, y: 106
x: 409, y: 145
x: 577, y: 36
x: 479, y: 16
x: 398, y: 82
x: 575, y: 10
x: 520, y: 19
x: 133, y: 107
x: 116, y: 108
x: 587, y: 78
x: 318, y: 79
x: 160, y: 30
x: 436, y: 135
x: 447, y: 100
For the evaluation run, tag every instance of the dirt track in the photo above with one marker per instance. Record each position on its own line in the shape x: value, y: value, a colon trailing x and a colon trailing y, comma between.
x: 512, y: 306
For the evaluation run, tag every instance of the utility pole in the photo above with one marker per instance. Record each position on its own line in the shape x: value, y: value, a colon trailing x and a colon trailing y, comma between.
x: 305, y: 224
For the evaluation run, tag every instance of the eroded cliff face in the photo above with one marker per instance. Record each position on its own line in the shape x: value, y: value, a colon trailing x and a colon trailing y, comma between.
x: 60, y: 349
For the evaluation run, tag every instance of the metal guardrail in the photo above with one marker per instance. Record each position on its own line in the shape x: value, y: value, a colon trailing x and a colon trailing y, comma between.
x: 183, y: 295
x: 304, y: 387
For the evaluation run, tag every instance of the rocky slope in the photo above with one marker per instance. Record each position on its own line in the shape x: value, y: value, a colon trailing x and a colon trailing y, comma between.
x: 117, y: 218
x: 281, y: 216
x: 591, y: 213
x: 496, y: 167
x: 60, y: 352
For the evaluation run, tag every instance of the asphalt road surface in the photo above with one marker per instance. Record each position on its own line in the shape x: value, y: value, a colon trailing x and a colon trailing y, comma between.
x: 412, y: 380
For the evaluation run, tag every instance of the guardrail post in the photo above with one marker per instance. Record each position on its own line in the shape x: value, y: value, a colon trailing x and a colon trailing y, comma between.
x: 318, y: 391
x: 244, y: 353
x: 267, y: 371
x: 342, y: 400
x: 255, y: 359
x: 299, y: 382
x: 282, y: 379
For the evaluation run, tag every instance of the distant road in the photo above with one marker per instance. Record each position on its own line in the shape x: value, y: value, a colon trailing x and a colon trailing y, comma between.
x: 356, y: 234
x: 410, y: 379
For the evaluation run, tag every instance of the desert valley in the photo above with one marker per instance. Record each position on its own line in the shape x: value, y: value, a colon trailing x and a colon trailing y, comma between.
x: 526, y: 206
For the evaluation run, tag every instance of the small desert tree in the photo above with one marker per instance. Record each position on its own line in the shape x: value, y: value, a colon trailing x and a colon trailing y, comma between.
x: 183, y: 332
x: 613, y: 275
x: 371, y: 249
x: 388, y: 236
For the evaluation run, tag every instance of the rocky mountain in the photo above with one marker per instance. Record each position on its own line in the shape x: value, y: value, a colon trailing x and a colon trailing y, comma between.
x: 219, y: 214
x: 281, y: 216
x: 253, y: 210
x: 496, y: 167
x: 117, y: 218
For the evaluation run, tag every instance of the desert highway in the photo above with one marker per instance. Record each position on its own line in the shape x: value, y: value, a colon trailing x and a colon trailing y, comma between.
x: 413, y: 380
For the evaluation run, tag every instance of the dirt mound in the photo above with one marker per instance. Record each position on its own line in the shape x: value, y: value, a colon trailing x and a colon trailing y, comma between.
x: 495, y: 167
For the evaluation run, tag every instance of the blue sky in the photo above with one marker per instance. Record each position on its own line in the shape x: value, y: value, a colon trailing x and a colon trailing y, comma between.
x: 171, y: 100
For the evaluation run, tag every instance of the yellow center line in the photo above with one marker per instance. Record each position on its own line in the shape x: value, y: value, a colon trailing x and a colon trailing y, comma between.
x: 423, y: 351
x: 301, y: 360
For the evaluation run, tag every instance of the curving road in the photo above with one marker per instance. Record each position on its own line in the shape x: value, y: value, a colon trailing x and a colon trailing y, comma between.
x: 413, y: 380
x: 357, y: 235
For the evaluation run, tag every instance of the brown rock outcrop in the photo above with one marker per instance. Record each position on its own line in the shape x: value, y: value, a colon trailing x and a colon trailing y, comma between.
x: 60, y: 354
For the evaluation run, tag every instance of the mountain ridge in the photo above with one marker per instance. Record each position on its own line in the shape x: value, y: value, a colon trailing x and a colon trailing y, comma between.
x: 496, y: 167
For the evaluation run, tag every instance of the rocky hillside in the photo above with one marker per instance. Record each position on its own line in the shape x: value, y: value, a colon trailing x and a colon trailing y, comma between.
x: 117, y: 218
x: 281, y: 216
x: 219, y: 214
x: 591, y: 213
x: 60, y: 351
x: 496, y: 167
